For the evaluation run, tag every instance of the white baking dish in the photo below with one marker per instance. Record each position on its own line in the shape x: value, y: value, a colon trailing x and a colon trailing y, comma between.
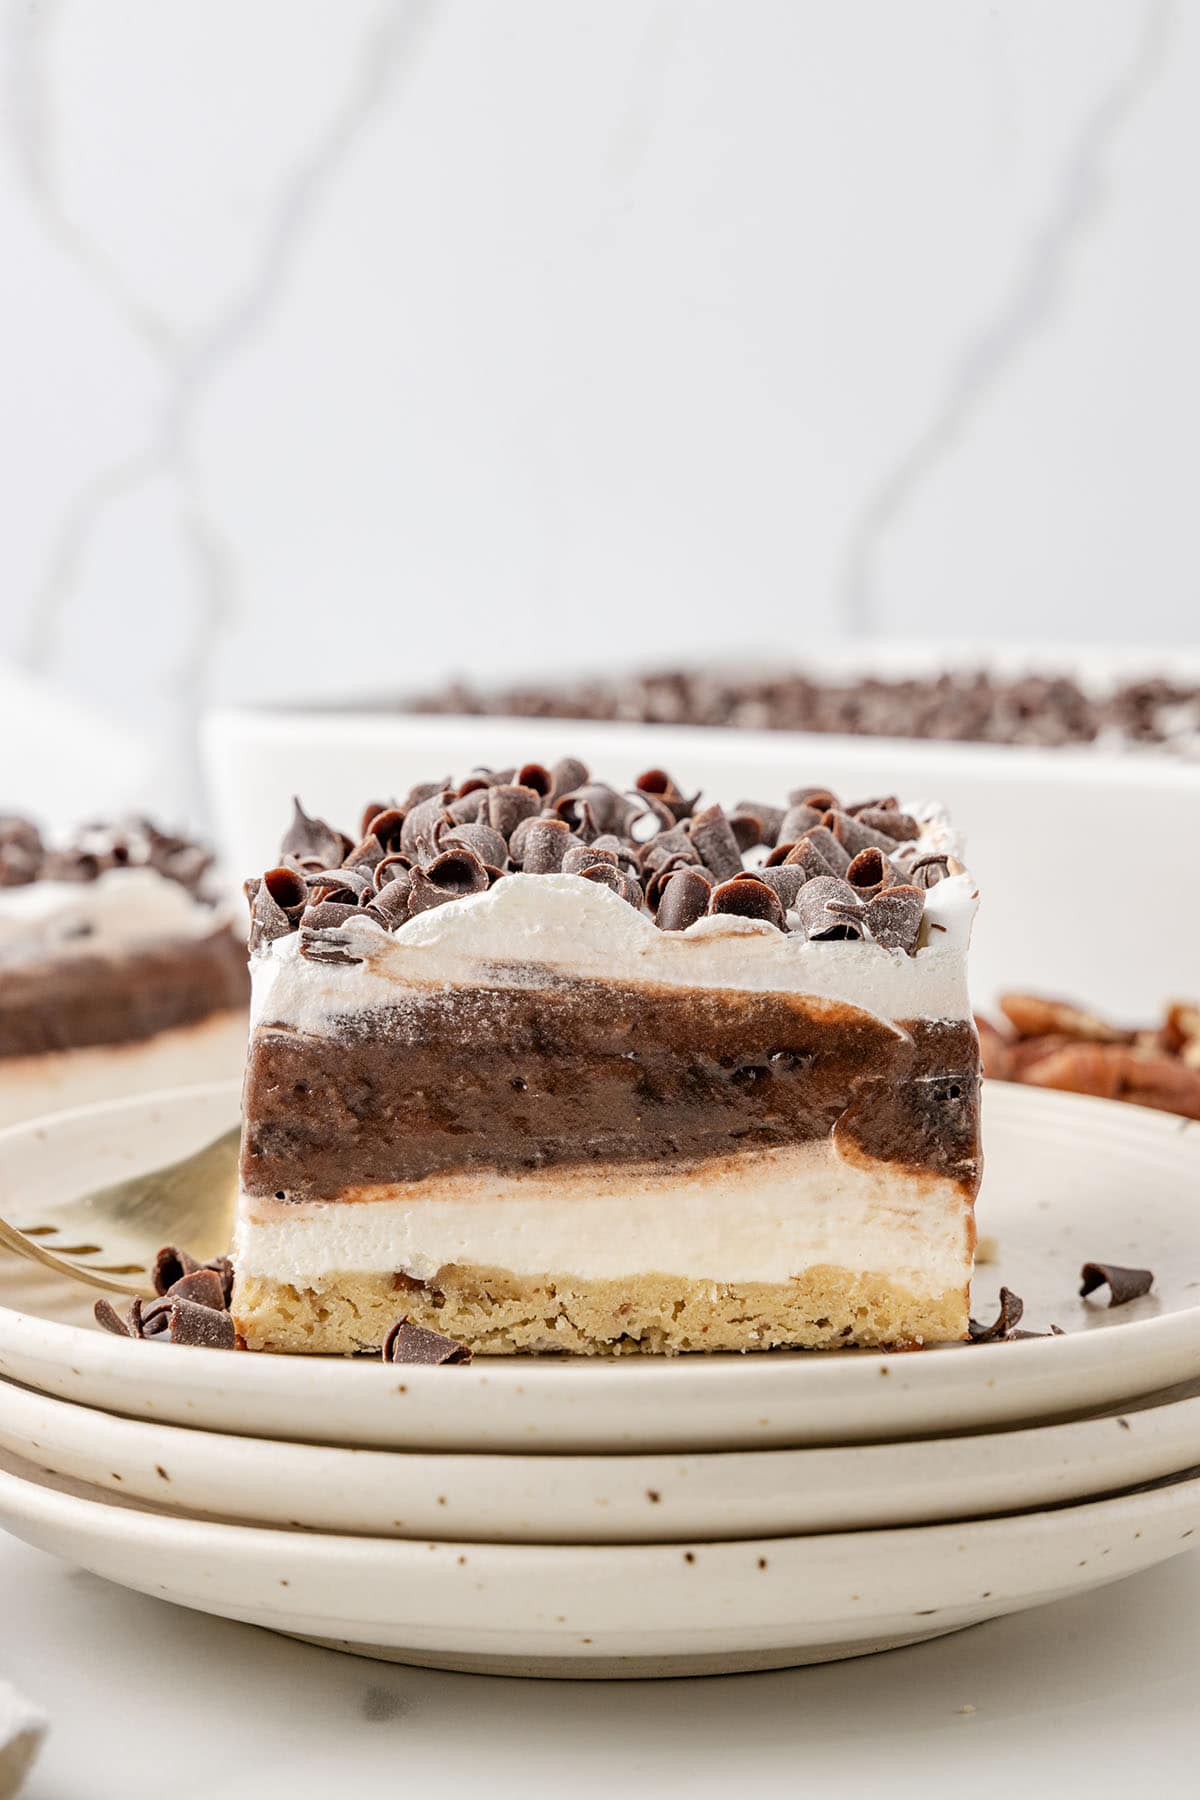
x: 1089, y: 861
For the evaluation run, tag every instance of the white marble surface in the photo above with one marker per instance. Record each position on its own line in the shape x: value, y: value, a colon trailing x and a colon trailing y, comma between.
x: 1094, y: 1696
x: 355, y: 340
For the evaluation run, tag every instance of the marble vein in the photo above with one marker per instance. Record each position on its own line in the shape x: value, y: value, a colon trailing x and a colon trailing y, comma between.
x: 392, y: 47
x: 1077, y: 207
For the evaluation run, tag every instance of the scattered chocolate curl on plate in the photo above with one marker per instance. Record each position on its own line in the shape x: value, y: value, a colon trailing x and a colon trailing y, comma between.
x: 1123, y: 1284
x: 1012, y: 1308
x: 407, y: 1343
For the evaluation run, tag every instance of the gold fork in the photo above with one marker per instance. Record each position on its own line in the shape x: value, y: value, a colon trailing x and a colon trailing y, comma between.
x: 109, y: 1237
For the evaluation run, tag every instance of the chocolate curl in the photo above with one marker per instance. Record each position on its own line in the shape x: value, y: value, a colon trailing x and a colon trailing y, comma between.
x: 544, y: 844
x: 870, y: 871
x: 747, y: 828
x: 422, y: 791
x: 203, y: 1287
x: 390, y: 905
x: 854, y: 836
x: 654, y: 818
x: 107, y: 1316
x: 894, y: 918
x: 448, y: 877
x: 771, y: 818
x: 657, y: 783
x: 618, y: 847
x: 388, y: 827
x: 927, y: 871
x: 370, y: 811
x: 171, y: 1264
x: 407, y: 1343
x: 338, y: 884
x: 17, y: 833
x: 390, y: 869
x: 483, y: 842
x: 475, y: 783
x: 1123, y: 1284
x: 288, y: 890
x: 312, y: 839
x: 268, y: 920
x: 469, y: 807
x: 327, y: 915
x: 820, y: 798
x: 536, y: 776
x: 796, y: 821
x: 421, y: 832
x: 888, y: 803
x: 667, y: 845
x: 366, y: 855
x: 507, y: 806
x: 579, y: 857
x: 607, y: 808
x: 786, y: 881
x: 182, y: 1321
x: 828, y: 847
x: 899, y: 826
x: 746, y: 897
x: 715, y: 843
x: 1011, y: 1309
x: 568, y: 775
x: 814, y: 907
x: 656, y: 882
x: 684, y: 899
x: 807, y: 857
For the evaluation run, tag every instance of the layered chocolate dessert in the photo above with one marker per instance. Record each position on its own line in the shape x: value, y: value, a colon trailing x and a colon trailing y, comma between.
x: 552, y: 1067
x: 121, y: 970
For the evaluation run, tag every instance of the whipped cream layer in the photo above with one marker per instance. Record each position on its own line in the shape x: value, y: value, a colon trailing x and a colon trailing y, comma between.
x: 120, y: 911
x: 531, y: 927
x: 792, y: 1209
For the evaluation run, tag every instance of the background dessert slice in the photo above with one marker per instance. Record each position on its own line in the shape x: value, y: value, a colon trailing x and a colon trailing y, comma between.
x: 120, y: 970
x: 523, y: 1111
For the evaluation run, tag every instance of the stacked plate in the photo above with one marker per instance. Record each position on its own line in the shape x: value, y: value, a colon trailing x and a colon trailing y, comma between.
x: 639, y: 1516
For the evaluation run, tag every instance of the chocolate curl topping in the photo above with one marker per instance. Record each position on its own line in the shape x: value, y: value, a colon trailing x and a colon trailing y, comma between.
x: 796, y: 821
x: 390, y: 869
x: 268, y: 920
x: 336, y: 884
x: 658, y: 783
x: 667, y: 846
x: 422, y: 791
x: 656, y: 881
x: 1123, y: 1284
x: 388, y: 827
x: 927, y: 871
x: 747, y: 828
x: 370, y: 811
x: 820, y: 798
x: 327, y: 915
x: 312, y: 839
x: 894, y: 918
x: 603, y: 805
x: 535, y: 776
x: 448, y: 877
x: 366, y: 855
x: 715, y: 843
x: 421, y: 832
x: 544, y: 844
x: 870, y: 871
x: 685, y: 897
x: 814, y: 904
x: 407, y: 1343
x: 469, y: 806
x: 288, y: 890
x: 854, y: 836
x: 567, y: 775
x: 828, y: 847
x: 1011, y: 1309
x: 507, y: 806
x: 889, y: 822
x: 746, y: 897
x: 474, y: 783
x: 390, y: 905
x: 888, y: 803
x: 482, y: 841
x: 770, y: 818
x: 787, y: 882
x: 807, y: 857
x: 579, y: 857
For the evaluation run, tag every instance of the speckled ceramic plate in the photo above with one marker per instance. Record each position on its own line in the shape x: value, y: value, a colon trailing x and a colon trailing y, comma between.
x: 574, y: 1610
x: 1069, y: 1180
x: 602, y: 1499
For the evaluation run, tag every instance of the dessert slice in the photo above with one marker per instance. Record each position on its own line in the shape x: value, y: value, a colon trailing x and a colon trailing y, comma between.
x: 121, y: 971
x: 551, y: 1068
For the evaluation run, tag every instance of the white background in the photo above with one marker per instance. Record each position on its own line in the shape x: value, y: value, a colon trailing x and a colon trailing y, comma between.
x: 350, y: 343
